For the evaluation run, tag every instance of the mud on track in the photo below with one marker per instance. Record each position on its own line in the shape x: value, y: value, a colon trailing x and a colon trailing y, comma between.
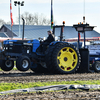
x: 29, y: 76
x: 62, y: 95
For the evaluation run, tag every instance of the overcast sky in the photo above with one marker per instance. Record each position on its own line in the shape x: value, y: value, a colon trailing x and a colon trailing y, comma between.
x: 70, y: 11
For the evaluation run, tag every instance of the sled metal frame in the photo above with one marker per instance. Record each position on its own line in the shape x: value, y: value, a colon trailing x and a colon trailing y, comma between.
x: 81, y: 28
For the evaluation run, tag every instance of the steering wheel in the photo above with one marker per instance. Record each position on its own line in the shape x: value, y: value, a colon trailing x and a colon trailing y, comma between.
x: 40, y: 39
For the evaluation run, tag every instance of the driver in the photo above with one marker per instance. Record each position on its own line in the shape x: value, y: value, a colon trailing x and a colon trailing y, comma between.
x: 49, y: 39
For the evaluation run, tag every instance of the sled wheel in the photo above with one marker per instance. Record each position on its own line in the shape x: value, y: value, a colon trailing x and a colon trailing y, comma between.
x: 23, y: 63
x: 96, y: 66
x: 65, y: 58
x: 7, y: 65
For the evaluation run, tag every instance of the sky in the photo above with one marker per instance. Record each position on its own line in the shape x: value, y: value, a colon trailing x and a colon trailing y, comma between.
x: 70, y: 11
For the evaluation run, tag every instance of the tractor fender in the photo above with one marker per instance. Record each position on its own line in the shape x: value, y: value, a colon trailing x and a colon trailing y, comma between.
x: 56, y: 42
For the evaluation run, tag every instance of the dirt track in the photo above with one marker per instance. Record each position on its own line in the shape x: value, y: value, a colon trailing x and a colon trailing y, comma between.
x: 62, y: 95
x: 29, y: 76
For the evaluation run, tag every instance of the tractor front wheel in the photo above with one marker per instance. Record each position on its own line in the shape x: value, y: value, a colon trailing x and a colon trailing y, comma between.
x: 23, y: 63
x: 7, y: 65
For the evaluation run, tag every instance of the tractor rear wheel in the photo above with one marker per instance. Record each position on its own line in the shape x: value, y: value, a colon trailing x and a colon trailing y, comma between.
x: 64, y: 59
x: 23, y: 63
x: 7, y: 65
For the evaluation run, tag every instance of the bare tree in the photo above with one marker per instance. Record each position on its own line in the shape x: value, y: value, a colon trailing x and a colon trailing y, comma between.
x: 9, y: 22
x: 28, y: 18
x: 35, y: 19
x: 43, y: 20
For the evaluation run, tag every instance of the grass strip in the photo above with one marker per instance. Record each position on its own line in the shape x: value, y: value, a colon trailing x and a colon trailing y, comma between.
x: 12, y: 69
x: 11, y: 86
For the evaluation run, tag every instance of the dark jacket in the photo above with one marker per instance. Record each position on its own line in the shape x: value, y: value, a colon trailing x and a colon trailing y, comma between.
x: 50, y: 38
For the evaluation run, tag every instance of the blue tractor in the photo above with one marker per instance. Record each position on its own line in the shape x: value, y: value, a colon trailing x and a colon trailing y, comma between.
x: 59, y: 57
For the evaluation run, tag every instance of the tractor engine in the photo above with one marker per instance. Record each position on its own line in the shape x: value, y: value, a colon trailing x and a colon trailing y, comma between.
x: 20, y: 46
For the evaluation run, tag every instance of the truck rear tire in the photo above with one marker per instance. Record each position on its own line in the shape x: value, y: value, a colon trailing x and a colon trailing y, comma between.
x: 7, y: 65
x: 64, y: 59
x: 96, y: 66
x: 23, y: 63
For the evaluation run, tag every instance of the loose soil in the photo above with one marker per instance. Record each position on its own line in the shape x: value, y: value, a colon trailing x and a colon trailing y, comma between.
x: 29, y: 76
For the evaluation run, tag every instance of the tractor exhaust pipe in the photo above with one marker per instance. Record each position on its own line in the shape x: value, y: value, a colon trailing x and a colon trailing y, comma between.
x: 23, y: 28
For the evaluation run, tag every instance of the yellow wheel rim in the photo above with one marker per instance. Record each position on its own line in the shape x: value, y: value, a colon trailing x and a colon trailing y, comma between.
x: 67, y: 59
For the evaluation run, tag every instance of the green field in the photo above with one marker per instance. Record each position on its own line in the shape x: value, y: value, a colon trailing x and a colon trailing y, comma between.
x: 11, y: 86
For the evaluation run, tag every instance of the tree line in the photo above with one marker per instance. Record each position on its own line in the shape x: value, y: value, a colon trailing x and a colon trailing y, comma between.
x: 31, y: 19
x: 35, y: 19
